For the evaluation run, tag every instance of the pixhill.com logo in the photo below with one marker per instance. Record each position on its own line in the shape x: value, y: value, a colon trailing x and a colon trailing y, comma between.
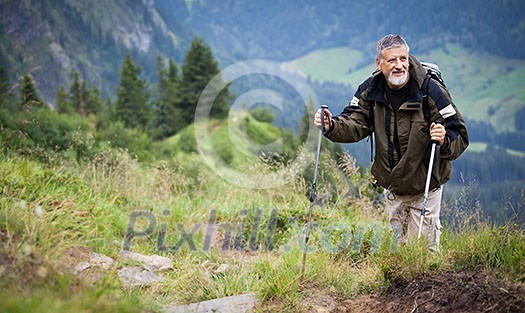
x: 254, y: 231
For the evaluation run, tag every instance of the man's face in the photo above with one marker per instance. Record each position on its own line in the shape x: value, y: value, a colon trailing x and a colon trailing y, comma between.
x: 394, y: 65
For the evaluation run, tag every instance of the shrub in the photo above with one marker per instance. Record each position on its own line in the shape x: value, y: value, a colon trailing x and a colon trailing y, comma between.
x: 135, y: 141
x: 263, y: 114
x: 45, y: 130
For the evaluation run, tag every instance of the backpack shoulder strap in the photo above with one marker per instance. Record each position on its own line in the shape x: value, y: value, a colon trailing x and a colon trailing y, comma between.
x: 424, y: 90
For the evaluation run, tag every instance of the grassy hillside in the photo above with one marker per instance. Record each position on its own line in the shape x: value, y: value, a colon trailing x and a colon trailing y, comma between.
x: 236, y: 142
x: 52, y: 204
x: 335, y: 64
x: 89, y: 206
x: 484, y: 86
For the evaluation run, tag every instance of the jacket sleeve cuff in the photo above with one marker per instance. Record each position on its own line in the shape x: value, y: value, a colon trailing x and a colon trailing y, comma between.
x: 445, y: 147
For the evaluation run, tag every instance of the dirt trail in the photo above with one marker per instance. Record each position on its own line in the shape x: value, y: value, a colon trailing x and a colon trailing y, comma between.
x: 446, y: 292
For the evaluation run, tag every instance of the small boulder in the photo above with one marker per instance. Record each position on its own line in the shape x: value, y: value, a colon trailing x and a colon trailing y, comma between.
x: 154, y: 263
x: 135, y: 276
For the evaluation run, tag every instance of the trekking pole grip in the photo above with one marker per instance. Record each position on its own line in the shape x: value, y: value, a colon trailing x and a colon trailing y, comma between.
x: 323, y: 107
x: 435, y: 141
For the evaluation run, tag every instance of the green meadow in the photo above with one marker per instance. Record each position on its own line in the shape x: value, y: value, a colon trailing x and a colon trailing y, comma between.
x: 175, y: 205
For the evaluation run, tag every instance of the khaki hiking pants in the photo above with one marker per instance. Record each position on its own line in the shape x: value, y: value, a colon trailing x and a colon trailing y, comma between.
x: 405, y: 212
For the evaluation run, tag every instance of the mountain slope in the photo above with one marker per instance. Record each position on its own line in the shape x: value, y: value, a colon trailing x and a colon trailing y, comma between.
x: 51, y: 39
x: 236, y: 142
x: 283, y: 30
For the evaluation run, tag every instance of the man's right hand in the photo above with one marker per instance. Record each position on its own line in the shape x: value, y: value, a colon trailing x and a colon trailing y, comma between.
x: 327, y: 119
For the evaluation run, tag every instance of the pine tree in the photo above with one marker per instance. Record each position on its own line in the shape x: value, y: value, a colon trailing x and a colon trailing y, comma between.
x: 6, y: 100
x: 81, y: 99
x: 93, y: 100
x: 198, y: 70
x: 29, y: 97
x: 63, y: 104
x: 161, y: 73
x: 82, y: 105
x: 75, y: 94
x: 132, y: 107
x: 173, y: 72
x: 168, y: 116
x: 105, y: 114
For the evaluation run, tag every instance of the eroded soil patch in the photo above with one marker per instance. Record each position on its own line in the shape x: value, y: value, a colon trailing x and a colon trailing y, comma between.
x: 459, y: 292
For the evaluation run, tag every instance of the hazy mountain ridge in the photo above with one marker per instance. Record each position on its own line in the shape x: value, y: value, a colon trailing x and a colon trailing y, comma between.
x: 286, y: 30
x: 53, y: 38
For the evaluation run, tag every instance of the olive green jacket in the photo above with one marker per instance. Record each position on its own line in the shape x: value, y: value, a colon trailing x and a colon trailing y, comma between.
x: 403, y: 139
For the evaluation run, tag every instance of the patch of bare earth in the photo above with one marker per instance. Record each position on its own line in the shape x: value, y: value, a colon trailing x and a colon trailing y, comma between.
x: 19, y: 266
x: 458, y: 292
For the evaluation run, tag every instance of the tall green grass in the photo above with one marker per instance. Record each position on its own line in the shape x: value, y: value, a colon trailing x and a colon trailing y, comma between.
x: 47, y: 208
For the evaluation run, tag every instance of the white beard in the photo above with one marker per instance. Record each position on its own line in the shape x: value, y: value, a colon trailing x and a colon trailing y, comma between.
x: 397, y: 81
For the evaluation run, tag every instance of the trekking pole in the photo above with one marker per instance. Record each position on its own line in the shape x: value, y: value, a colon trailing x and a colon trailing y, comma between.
x: 427, y: 186
x: 313, y: 191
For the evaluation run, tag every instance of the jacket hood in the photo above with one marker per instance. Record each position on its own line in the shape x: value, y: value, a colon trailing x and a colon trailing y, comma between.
x: 416, y: 70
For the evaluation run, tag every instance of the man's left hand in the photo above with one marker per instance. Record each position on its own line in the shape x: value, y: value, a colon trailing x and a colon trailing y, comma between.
x: 437, y: 133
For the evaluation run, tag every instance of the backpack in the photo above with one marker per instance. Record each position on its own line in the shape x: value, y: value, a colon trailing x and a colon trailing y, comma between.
x: 434, y: 72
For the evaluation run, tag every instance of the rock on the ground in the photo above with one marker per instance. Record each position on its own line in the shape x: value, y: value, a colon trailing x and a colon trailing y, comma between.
x: 223, y: 268
x: 88, y: 266
x: 238, y: 304
x: 135, y: 276
x: 153, y: 263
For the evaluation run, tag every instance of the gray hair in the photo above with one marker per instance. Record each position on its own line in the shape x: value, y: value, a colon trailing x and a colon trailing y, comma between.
x: 390, y: 41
